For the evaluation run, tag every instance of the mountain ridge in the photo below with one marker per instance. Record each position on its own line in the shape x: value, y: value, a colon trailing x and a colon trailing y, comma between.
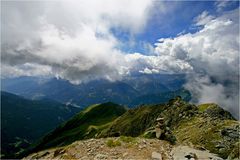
x: 24, y: 121
x: 179, y: 116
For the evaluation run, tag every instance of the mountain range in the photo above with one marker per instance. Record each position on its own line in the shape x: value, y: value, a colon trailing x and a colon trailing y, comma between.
x: 130, y: 91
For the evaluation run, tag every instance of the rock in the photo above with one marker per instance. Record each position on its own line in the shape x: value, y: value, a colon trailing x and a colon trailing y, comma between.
x: 144, y: 141
x: 221, y: 150
x: 58, y: 152
x: 77, y: 155
x: 158, y: 132
x: 125, y: 154
x: 191, y: 156
x: 220, y: 146
x: 201, y: 148
x: 156, y: 156
x: 159, y: 119
x: 100, y: 156
x: 233, y: 135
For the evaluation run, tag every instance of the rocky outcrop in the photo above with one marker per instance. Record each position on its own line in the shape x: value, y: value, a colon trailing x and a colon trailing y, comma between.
x: 129, y: 148
x: 188, y: 153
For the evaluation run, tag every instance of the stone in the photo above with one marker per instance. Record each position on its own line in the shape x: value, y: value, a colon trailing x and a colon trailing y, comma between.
x: 220, y: 146
x: 58, y: 152
x: 156, y: 156
x: 144, y: 141
x: 89, y: 150
x: 158, y: 132
x: 233, y: 135
x: 77, y: 155
x: 191, y: 156
x: 100, y: 156
x: 159, y: 119
x: 125, y: 154
x: 221, y: 150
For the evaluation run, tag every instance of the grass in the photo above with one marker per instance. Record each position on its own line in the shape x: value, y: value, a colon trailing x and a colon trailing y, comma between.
x: 199, y: 131
x: 86, y: 124
x: 113, y: 143
x: 204, y: 107
x: 126, y: 139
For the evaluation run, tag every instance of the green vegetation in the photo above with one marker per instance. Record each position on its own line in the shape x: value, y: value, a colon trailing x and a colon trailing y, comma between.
x: 206, y: 129
x: 25, y: 121
x: 126, y: 139
x: 86, y: 124
x: 134, y: 122
x: 203, y: 107
x: 207, y: 126
x: 113, y: 143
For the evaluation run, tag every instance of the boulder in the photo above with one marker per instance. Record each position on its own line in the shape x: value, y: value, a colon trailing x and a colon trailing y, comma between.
x: 156, y: 156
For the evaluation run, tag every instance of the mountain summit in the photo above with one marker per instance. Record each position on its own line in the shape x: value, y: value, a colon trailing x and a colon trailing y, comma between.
x: 204, y: 127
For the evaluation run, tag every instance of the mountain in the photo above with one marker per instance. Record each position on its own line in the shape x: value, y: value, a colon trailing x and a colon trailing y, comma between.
x: 206, y: 127
x: 159, y: 98
x: 83, y: 125
x: 24, y: 121
x: 123, y: 92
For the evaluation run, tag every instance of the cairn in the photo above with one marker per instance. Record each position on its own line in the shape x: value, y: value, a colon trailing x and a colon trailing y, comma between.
x: 159, y: 128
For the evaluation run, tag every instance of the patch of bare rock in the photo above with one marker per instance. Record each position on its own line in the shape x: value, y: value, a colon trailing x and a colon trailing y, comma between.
x: 137, y: 148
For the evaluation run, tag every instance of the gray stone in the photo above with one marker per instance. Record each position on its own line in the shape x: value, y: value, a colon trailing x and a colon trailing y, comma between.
x: 77, y: 155
x: 220, y: 146
x: 191, y: 156
x: 233, y: 135
x: 156, y: 156
x: 100, y: 156
x: 221, y: 150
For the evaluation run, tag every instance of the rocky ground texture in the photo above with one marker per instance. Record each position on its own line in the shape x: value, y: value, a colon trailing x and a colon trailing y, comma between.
x: 124, y: 148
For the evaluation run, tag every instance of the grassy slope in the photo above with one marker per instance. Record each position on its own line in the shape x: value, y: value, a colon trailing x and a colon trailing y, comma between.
x: 198, y: 125
x: 134, y: 122
x: 24, y: 121
x: 83, y: 125
x: 205, y: 128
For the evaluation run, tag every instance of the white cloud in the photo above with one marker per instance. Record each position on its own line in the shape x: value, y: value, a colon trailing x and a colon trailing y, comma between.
x: 213, y: 55
x: 203, y: 18
x: 222, y: 4
x: 74, y: 41
x: 72, y: 38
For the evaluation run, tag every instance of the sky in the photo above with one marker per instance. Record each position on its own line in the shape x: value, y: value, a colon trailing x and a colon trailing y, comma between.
x: 85, y: 40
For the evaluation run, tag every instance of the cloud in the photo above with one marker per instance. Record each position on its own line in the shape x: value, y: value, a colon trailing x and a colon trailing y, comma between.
x: 213, y: 55
x: 73, y: 39
x: 222, y: 4
x: 203, y: 18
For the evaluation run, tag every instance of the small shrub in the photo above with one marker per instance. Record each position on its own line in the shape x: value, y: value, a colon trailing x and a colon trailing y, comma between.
x: 127, y: 139
x: 112, y: 143
x: 150, y: 134
x: 170, y: 138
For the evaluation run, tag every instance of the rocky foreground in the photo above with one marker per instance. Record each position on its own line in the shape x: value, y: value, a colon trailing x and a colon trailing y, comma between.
x: 124, y: 148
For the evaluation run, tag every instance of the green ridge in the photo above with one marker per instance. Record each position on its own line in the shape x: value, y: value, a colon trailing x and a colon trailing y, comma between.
x: 205, y: 126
